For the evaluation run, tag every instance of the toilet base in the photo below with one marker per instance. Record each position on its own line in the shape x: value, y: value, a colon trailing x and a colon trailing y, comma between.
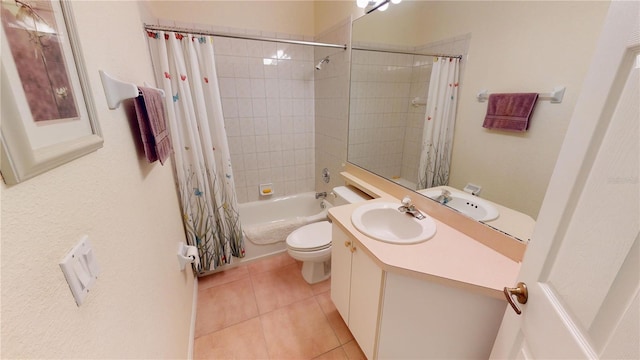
x: 314, y: 272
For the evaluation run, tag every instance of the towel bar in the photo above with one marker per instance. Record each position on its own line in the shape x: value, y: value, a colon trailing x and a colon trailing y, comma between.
x: 115, y: 90
x: 555, y: 96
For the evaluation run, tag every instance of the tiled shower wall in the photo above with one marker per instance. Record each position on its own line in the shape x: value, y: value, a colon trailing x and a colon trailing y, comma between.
x: 332, y: 105
x: 267, y: 92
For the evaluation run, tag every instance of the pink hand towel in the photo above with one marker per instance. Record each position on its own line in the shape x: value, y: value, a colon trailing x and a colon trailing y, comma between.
x: 510, y: 112
x: 153, y: 126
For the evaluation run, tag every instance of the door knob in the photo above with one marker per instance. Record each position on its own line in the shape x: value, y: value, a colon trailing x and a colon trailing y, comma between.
x: 347, y: 243
x: 521, y: 294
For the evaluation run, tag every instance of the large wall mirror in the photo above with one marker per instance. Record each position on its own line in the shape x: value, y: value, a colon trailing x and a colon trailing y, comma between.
x: 520, y: 46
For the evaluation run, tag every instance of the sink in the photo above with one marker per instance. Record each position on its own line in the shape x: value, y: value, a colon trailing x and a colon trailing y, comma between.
x: 470, y: 205
x: 384, y: 222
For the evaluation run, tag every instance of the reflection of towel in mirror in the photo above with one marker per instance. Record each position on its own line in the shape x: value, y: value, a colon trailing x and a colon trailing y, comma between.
x: 276, y: 231
x: 510, y: 111
x: 152, y: 124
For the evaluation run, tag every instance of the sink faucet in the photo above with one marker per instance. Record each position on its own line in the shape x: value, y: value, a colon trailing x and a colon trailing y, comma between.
x: 408, y: 208
x: 321, y: 195
x: 443, y: 198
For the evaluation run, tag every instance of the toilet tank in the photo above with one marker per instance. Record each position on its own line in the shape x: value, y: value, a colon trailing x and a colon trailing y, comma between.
x: 348, y: 195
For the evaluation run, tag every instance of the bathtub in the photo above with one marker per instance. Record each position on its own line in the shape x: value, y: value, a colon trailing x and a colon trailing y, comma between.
x: 275, y: 212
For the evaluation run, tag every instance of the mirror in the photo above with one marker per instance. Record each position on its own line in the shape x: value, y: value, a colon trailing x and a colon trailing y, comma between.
x: 506, y: 47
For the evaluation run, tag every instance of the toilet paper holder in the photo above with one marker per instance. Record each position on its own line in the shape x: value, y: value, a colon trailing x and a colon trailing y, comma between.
x: 187, y: 254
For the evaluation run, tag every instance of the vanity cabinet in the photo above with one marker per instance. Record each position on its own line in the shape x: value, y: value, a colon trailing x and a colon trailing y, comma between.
x: 356, y: 285
x: 395, y: 316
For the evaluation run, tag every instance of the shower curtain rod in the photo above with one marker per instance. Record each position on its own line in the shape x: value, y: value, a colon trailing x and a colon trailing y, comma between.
x: 240, y: 36
x: 407, y: 53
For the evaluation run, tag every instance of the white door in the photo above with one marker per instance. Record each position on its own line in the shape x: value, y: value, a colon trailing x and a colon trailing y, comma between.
x: 582, y: 267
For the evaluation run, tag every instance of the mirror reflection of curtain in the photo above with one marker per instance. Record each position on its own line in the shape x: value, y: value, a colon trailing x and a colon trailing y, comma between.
x: 440, y: 117
x: 185, y: 69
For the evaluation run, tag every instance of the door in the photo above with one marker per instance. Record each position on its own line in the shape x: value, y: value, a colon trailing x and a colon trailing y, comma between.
x: 582, y: 267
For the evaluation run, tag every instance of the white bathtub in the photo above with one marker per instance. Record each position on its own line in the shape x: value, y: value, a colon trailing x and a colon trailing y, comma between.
x: 278, y: 210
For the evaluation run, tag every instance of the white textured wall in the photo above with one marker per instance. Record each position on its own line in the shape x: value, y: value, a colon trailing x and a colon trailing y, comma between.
x: 277, y: 17
x: 141, y: 304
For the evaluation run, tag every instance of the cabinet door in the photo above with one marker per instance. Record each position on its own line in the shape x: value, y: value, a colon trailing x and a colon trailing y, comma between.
x: 340, y: 271
x: 366, y: 288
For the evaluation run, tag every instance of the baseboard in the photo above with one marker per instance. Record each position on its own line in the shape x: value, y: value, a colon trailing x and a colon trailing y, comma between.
x: 194, y: 310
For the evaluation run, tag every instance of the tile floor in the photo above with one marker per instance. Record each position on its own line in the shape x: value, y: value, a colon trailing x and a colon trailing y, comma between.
x: 265, y: 310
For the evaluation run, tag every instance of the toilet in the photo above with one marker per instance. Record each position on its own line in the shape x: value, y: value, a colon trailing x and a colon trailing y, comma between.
x: 311, y: 243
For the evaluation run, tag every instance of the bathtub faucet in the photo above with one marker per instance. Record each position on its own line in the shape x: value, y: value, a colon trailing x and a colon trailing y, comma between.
x: 321, y: 195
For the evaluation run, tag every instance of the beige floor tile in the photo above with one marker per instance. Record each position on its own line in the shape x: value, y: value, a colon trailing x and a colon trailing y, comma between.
x: 277, y: 288
x: 223, y: 277
x: 221, y: 306
x: 353, y: 351
x: 298, y: 331
x: 271, y: 263
x: 335, y: 354
x: 321, y: 287
x: 241, y: 341
x: 334, y: 318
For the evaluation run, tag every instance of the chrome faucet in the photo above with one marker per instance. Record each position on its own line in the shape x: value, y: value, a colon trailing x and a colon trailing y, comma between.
x: 408, y: 208
x: 321, y: 195
x: 443, y: 198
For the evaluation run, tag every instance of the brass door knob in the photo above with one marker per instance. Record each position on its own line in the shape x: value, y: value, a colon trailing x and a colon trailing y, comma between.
x: 347, y: 243
x: 521, y: 293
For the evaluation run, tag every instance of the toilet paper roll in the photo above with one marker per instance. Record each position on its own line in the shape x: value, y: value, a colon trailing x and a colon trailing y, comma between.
x: 192, y: 252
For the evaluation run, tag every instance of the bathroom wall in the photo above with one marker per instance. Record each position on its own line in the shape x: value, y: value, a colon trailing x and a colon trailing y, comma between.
x: 141, y: 304
x: 277, y: 17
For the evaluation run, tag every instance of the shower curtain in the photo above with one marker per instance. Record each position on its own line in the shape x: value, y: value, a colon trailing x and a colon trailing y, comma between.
x: 440, y: 117
x: 185, y: 69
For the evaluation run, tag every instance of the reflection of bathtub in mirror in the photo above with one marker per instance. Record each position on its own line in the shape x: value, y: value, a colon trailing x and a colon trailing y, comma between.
x: 499, y: 217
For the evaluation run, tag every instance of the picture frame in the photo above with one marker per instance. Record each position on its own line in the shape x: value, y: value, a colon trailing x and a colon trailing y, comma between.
x: 48, y: 112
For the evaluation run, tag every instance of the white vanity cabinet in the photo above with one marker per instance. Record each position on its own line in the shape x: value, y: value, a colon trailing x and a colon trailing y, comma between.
x: 356, y: 285
x: 394, y: 316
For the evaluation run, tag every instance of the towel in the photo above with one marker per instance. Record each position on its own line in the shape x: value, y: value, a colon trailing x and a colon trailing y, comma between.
x: 153, y: 126
x: 277, y: 231
x: 510, y: 111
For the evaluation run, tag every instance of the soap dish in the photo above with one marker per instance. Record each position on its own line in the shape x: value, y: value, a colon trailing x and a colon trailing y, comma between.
x: 266, y: 189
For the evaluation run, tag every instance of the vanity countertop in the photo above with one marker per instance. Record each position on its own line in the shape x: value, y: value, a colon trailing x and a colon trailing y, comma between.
x: 450, y: 257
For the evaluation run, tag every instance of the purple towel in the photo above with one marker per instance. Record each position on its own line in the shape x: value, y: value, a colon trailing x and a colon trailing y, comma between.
x: 510, y: 111
x: 153, y: 126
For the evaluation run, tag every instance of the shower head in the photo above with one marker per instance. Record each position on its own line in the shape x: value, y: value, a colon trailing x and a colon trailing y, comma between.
x: 325, y: 60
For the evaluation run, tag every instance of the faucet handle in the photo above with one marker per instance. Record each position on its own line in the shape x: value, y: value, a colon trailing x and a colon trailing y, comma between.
x: 406, y: 201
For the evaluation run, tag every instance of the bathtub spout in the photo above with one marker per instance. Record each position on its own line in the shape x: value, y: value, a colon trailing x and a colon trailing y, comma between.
x: 321, y: 195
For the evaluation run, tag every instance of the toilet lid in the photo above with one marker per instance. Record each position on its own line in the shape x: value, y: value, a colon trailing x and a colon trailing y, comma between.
x: 311, y: 237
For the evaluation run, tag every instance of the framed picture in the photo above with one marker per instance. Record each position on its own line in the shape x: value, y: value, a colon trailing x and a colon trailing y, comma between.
x: 48, y: 115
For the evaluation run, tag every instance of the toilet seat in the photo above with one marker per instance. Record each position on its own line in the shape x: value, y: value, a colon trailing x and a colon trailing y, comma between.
x: 311, y: 237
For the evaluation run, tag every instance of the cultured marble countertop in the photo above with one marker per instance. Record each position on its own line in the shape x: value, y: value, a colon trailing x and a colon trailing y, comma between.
x: 449, y: 257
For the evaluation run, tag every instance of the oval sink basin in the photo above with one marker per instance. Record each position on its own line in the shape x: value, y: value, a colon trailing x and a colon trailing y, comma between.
x: 471, y: 206
x: 384, y: 222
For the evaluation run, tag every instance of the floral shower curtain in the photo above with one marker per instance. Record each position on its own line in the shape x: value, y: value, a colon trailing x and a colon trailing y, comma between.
x: 440, y: 117
x: 185, y: 68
